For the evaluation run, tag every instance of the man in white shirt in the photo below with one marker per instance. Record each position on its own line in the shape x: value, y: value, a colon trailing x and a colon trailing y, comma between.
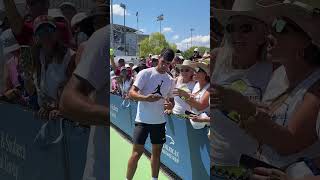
x: 151, y: 87
x: 92, y: 76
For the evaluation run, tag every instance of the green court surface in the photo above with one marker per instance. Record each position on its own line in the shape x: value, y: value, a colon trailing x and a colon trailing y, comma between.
x: 120, y: 151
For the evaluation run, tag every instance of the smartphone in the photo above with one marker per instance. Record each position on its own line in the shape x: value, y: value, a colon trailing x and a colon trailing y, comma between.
x: 233, y: 116
x: 251, y: 163
x: 189, y: 113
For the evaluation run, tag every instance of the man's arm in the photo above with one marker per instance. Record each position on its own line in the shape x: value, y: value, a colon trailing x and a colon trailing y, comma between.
x: 15, y: 19
x: 135, y: 95
x: 76, y: 104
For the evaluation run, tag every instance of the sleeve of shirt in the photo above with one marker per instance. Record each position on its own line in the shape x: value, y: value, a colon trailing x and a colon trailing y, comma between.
x: 140, y: 79
x: 93, y: 64
x: 173, y: 85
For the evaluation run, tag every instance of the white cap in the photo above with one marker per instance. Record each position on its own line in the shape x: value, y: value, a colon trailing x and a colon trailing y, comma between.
x: 68, y: 4
x: 135, y: 67
x: 78, y: 18
x: 55, y: 13
x: 196, y: 49
x: 155, y: 57
x: 9, y: 42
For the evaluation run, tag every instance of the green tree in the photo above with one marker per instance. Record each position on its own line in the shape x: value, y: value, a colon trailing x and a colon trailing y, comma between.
x: 189, y: 52
x: 154, y: 44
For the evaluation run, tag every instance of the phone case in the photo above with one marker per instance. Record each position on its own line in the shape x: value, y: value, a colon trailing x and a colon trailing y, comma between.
x: 251, y: 163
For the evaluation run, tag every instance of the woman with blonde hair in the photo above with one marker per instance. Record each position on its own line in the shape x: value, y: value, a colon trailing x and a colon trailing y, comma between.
x: 292, y: 116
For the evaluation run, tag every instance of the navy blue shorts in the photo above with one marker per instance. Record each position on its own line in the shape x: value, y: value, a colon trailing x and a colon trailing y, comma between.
x: 157, y: 133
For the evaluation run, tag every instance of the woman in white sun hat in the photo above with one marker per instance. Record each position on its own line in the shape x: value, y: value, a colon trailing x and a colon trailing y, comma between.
x: 184, y: 82
x: 198, y: 98
x: 240, y: 64
x: 291, y: 117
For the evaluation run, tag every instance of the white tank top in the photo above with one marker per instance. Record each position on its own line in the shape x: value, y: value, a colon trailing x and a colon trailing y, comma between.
x: 229, y: 141
x: 52, y: 78
x: 282, y: 116
x: 180, y: 106
x: 198, y: 94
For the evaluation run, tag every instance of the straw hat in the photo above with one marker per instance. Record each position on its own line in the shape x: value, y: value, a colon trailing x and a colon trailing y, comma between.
x: 240, y: 8
x: 186, y: 63
x: 306, y: 16
x: 76, y: 19
x: 204, y: 64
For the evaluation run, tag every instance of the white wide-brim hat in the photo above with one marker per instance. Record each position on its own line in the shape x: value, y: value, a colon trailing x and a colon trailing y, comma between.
x: 186, y: 63
x: 306, y: 16
x: 248, y: 8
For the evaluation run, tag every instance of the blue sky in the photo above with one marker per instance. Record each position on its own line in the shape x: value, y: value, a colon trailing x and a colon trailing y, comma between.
x: 179, y: 17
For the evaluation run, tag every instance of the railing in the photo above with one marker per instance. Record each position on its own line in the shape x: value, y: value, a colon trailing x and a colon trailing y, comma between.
x: 186, y: 152
x: 58, y: 152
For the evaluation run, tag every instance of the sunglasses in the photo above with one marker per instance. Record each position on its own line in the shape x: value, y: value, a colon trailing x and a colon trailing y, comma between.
x: 198, y: 70
x: 45, y: 31
x: 243, y: 28
x: 281, y: 24
x: 184, y: 70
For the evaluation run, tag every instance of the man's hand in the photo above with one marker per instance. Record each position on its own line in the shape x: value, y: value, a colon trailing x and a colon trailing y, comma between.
x: 181, y: 93
x: 168, y: 105
x: 153, y: 98
x: 167, y: 111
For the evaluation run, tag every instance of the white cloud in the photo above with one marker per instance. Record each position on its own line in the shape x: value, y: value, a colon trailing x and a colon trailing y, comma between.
x: 167, y: 29
x: 198, y: 40
x: 143, y: 30
x: 175, y: 37
x: 118, y: 11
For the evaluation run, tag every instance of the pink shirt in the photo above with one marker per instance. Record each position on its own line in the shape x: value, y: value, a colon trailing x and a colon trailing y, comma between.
x: 12, y: 80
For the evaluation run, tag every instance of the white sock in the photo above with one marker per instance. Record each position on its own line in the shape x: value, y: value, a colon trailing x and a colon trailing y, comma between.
x: 154, y: 178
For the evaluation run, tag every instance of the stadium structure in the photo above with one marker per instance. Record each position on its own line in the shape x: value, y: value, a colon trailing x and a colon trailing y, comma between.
x: 126, y: 40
